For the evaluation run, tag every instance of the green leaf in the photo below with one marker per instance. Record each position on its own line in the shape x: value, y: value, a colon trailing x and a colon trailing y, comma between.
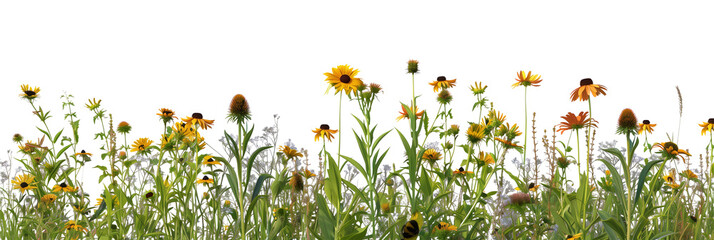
x: 612, y: 226
x: 643, y: 177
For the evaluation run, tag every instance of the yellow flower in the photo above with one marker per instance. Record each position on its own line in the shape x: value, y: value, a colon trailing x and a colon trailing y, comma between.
x: 342, y: 78
x: 410, y: 230
x: 645, y: 126
x: 93, y: 104
x: 28, y: 92
x: 573, y: 237
x: 308, y: 174
x: 208, y: 160
x: 485, y: 158
x: 166, y: 141
x: 669, y: 150
x: 385, y: 207
x: 141, y: 145
x: 63, y: 187
x: 507, y: 143
x: 403, y: 114
x: 289, y: 152
x: 478, y: 88
x: 442, y: 83
x: 324, y: 131
x: 461, y: 171
x: 72, y: 225
x: 296, y: 182
x: 607, y: 172
x: 197, y: 118
x: 431, y: 155
x: 586, y: 89
x: 83, y: 153
x: 527, y: 80
x: 166, y: 114
x: 48, y: 198
x: 114, y: 198
x: 668, y: 178
x: 707, y: 126
x: 205, y: 180
x: 689, y: 174
x: 24, y: 182
x: 475, y: 133
x: 443, y: 226
x: 531, y: 187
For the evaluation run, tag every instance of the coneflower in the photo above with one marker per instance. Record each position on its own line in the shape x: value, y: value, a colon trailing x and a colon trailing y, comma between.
x: 239, y: 109
x: 627, y: 123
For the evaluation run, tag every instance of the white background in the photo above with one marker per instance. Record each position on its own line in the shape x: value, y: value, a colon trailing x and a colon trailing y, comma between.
x: 139, y: 56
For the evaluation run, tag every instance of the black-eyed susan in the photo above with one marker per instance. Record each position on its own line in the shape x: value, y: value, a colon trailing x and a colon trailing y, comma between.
x: 412, y: 66
x: 166, y: 115
x: 83, y: 153
x: 707, y: 126
x: 124, y: 127
x: 475, y: 133
x: 462, y: 172
x: 484, y: 159
x: 573, y: 122
x: 669, y: 178
x: 645, y: 126
x: 296, y: 182
x: 527, y: 80
x: 28, y: 92
x: 167, y: 141
x: 343, y: 78
x: 573, y: 237
x: 587, y: 88
x: 431, y: 155
x: 308, y: 174
x: 508, y: 144
x: 478, y: 88
x: 290, y: 152
x: 63, y: 187
x: 531, y: 187
x: 324, y: 131
x: 141, y: 145
x: 149, y: 194
x: 72, y: 225
x: 442, y: 83
x: 238, y: 110
x: 197, y: 118
x: 404, y: 114
x: 689, y: 174
x: 443, y: 226
x: 670, y: 150
x: 48, y: 198
x: 93, y: 104
x: 411, y: 228
x: 209, y: 160
x: 205, y: 180
x: 386, y: 208
x: 24, y: 182
x: 627, y: 122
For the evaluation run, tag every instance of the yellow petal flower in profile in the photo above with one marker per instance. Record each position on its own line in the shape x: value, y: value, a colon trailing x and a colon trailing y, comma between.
x: 342, y: 78
x: 527, y: 80
x: 208, y: 160
x: 586, y: 89
x: 707, y: 126
x: 197, y: 118
x: 324, y: 131
x: 205, y: 180
x: 442, y: 83
x: 645, y: 126
x: 689, y: 174
x: 48, y: 198
x: 28, y: 92
x: 63, y: 187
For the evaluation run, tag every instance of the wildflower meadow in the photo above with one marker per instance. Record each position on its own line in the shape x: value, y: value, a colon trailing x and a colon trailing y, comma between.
x: 453, y: 177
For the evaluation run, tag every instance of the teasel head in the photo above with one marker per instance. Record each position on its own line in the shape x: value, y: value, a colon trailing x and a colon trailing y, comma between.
x: 412, y: 66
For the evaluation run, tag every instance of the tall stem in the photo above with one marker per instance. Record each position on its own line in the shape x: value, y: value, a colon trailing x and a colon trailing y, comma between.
x: 525, y: 126
x: 339, y: 133
x: 413, y: 95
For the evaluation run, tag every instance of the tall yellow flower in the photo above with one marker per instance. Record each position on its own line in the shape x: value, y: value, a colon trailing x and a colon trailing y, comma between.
x: 342, y: 78
x: 141, y: 145
x: 63, y: 187
x: 289, y: 152
x: 197, y: 118
x: 707, y: 126
x: 324, y: 131
x: 645, y: 126
x: 24, y: 182
x: 527, y: 80
x: 28, y: 92
x: 442, y: 83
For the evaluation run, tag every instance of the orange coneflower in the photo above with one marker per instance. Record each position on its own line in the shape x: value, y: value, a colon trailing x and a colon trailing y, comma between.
x: 197, y: 118
x: 442, y: 226
x: 324, y: 131
x: 586, y: 88
x: 123, y: 127
x: 461, y: 171
x: 707, y: 126
x: 238, y: 110
x: 141, y: 145
x: 670, y: 150
x: 342, y: 78
x: 627, y: 122
x: 431, y: 155
x: 573, y: 122
x: 403, y: 114
x: 205, y: 180
x: 645, y: 126
x: 689, y: 174
x: 166, y: 114
x: 527, y: 80
x: 442, y: 83
x: 24, y: 182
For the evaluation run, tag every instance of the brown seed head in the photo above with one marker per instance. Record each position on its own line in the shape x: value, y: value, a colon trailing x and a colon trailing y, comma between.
x: 586, y: 81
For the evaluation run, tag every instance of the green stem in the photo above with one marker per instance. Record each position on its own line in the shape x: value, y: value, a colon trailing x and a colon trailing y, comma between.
x: 525, y: 127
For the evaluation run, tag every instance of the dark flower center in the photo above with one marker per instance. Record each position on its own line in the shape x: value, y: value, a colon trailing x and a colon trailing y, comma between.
x: 646, y: 122
x: 24, y: 185
x: 167, y: 112
x: 671, y: 145
x: 461, y: 169
x: 711, y: 120
x: 149, y: 194
x: 183, y: 124
x: 441, y: 78
x: 205, y: 177
x: 197, y: 116
x: 63, y: 185
x: 532, y: 185
x: 693, y: 218
x: 83, y: 151
x: 210, y: 160
x: 325, y: 127
x: 345, y: 79
x: 586, y: 81
x: 30, y: 93
x: 141, y: 147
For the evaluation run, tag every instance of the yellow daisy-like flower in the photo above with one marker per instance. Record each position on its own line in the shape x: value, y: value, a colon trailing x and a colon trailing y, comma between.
x: 208, y: 160
x: 431, y: 155
x: 93, y: 104
x: 507, y: 143
x: 707, y: 126
x: 442, y: 83
x: 411, y: 229
x: 48, y: 198
x: 114, y: 198
x: 28, y: 92
x: 668, y: 178
x: 689, y: 174
x: 83, y: 153
x: 645, y: 126
x: 166, y: 141
x: 166, y: 114
x: 342, y: 78
x: 485, y: 158
x: 197, y: 118
x: 586, y: 89
x: 141, y: 145
x: 24, y: 182
x: 289, y: 152
x: 478, y: 88
x: 573, y: 237
x: 324, y: 131
x: 475, y: 133
x: 205, y: 180
x: 72, y: 225
x: 63, y: 187
x: 462, y: 171
x: 308, y: 174
x: 527, y: 80
x: 669, y: 150
x: 443, y: 226
x: 531, y: 187
x: 403, y: 114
